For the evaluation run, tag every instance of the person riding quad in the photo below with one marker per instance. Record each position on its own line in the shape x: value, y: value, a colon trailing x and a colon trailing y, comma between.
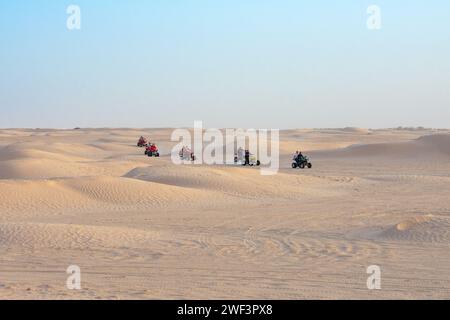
x: 142, y: 142
x: 182, y: 152
x: 187, y: 154
x: 298, y: 156
x: 152, y: 150
x: 300, y: 161
x: 247, y: 157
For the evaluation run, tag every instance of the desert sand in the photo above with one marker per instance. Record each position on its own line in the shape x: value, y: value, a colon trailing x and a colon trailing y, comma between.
x: 144, y: 228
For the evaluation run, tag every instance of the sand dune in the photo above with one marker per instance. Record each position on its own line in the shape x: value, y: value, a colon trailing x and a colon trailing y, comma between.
x: 32, y: 168
x: 143, y: 227
x: 69, y: 236
x: 421, y: 229
x: 229, y: 180
x: 424, y: 147
x: 356, y: 130
x: 27, y: 153
x: 438, y: 142
x: 85, y: 194
x: 117, y: 190
x: 23, y: 169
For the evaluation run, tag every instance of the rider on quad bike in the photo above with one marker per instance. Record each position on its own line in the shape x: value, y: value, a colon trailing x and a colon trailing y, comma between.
x: 300, y: 161
x: 186, y: 154
x: 143, y: 142
x: 245, y: 157
x: 152, y: 150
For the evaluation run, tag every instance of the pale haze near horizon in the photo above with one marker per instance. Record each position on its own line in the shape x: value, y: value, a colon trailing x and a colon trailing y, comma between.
x: 261, y: 64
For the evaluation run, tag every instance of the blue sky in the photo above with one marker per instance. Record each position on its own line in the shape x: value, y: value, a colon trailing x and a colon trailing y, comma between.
x: 247, y: 63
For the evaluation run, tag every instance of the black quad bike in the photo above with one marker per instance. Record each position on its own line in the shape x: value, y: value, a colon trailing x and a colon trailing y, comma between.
x: 301, y: 162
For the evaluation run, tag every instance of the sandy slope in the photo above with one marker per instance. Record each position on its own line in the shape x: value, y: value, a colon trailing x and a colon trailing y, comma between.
x: 146, y: 228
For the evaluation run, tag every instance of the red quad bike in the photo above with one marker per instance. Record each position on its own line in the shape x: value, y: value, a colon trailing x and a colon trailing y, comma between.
x: 142, y: 142
x: 152, y: 151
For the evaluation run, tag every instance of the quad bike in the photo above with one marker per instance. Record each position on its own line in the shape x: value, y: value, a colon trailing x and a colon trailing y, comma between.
x: 152, y: 151
x: 142, y: 142
x: 301, y: 162
x: 187, y: 154
x: 246, y: 159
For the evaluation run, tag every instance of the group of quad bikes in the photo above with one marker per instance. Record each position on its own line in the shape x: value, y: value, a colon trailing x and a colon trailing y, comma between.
x: 151, y: 149
x: 242, y: 157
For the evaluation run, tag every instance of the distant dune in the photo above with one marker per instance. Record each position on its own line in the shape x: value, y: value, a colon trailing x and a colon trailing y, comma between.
x: 437, y: 145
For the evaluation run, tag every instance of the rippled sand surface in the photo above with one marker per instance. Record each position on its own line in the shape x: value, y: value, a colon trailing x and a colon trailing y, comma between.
x: 144, y: 228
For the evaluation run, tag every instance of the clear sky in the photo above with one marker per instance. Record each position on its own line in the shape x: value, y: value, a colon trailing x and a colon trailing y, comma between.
x: 231, y: 63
